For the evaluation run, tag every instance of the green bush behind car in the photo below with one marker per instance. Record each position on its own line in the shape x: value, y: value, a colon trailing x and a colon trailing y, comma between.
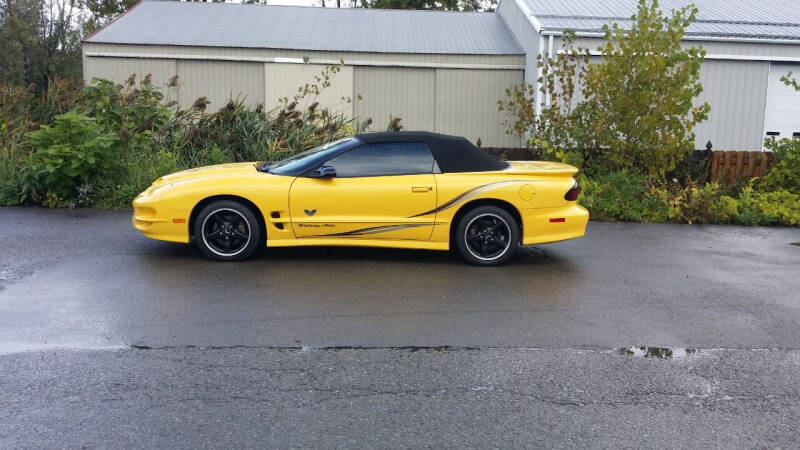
x: 101, y: 144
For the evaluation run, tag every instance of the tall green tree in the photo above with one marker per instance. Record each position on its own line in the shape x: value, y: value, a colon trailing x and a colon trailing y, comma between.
x: 41, y: 40
x: 636, y: 108
x: 646, y: 87
x: 103, y: 12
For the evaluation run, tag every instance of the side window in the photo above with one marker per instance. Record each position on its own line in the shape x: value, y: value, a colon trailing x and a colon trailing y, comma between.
x: 390, y: 158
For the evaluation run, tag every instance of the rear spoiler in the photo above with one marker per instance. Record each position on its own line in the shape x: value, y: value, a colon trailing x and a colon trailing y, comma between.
x: 541, y: 168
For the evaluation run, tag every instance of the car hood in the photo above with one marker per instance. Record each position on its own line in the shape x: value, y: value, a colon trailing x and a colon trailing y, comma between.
x: 248, y: 168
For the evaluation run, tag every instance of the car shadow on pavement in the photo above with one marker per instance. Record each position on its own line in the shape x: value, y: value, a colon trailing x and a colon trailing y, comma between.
x: 525, y: 256
x: 365, y: 254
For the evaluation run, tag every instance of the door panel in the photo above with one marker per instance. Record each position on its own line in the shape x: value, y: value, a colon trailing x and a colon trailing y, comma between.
x: 363, y: 207
x: 782, y: 117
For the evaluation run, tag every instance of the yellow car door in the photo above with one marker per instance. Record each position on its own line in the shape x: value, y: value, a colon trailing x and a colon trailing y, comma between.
x: 369, y: 192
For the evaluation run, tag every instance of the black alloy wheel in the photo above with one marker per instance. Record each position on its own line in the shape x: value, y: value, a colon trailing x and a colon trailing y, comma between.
x: 227, y: 231
x: 487, y: 236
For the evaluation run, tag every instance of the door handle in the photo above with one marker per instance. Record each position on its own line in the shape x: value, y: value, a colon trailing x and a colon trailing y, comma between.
x: 421, y: 188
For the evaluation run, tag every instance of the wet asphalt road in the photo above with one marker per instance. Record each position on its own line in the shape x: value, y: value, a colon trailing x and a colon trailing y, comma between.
x: 110, y: 339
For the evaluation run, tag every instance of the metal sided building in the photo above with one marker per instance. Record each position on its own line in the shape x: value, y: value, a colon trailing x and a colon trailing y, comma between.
x: 438, y: 71
x: 750, y: 45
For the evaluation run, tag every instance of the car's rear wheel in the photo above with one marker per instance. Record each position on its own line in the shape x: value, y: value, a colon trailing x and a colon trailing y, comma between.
x: 487, y: 236
x: 226, y: 230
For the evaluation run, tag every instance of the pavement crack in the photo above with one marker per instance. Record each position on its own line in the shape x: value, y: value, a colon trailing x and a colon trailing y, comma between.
x: 694, y: 352
x: 303, y: 348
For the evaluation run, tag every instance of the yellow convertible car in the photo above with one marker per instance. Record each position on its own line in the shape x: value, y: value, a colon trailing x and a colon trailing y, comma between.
x: 405, y: 190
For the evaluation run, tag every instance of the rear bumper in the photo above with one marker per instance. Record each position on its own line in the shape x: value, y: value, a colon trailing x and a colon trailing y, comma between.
x: 157, y: 221
x: 542, y: 225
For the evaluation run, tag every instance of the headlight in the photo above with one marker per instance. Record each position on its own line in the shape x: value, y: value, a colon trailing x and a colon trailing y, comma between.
x: 157, y: 189
x: 154, y: 189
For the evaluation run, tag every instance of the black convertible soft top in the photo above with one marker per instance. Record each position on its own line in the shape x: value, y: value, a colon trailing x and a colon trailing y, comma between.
x: 452, y: 153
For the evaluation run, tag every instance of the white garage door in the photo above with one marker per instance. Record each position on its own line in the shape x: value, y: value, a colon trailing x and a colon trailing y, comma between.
x: 782, y: 117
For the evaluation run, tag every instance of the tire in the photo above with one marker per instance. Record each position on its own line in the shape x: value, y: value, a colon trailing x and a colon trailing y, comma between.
x: 487, y: 236
x: 227, y: 230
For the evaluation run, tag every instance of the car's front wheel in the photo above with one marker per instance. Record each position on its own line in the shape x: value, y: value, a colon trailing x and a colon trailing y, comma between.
x: 226, y: 230
x: 487, y: 236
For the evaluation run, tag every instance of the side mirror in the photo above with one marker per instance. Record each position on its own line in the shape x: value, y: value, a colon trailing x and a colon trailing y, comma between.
x: 323, y: 172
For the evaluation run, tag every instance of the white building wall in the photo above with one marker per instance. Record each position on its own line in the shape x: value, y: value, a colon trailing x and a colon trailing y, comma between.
x: 120, y: 69
x: 466, y: 104
x: 735, y: 79
x: 782, y: 116
x: 220, y: 81
x: 283, y: 80
x: 734, y: 88
x: 417, y: 88
x: 408, y: 93
x: 736, y: 92
x: 526, y: 35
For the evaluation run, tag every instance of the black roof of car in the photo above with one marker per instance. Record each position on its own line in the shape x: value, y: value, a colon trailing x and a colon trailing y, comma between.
x: 452, y: 153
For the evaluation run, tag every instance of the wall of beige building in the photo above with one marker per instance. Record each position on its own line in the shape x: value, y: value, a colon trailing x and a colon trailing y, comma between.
x: 453, y: 94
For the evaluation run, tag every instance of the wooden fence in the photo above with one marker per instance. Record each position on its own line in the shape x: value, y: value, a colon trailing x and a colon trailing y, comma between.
x: 727, y: 167
x: 724, y: 167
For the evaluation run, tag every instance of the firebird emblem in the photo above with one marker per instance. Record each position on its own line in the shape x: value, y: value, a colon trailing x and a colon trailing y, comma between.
x: 310, y: 212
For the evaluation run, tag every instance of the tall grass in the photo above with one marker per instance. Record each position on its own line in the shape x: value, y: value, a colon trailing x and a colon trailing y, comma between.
x: 22, y: 110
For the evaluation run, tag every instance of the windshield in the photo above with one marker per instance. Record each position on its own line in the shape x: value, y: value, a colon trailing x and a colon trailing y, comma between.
x: 304, y: 161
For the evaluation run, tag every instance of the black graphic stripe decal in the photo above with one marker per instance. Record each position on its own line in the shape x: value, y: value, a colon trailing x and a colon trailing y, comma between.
x: 374, y: 230
x: 469, y: 194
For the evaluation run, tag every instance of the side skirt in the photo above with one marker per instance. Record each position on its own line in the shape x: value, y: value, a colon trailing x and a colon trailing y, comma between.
x: 350, y: 242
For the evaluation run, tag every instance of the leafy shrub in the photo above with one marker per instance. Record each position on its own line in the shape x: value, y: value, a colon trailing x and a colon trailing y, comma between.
x: 140, y: 169
x: 702, y: 204
x: 629, y: 197
x: 22, y: 110
x: 134, y: 111
x: 779, y: 207
x: 768, y: 208
x: 73, y: 152
x: 785, y: 174
x: 130, y: 129
x: 624, y: 196
x: 696, y: 167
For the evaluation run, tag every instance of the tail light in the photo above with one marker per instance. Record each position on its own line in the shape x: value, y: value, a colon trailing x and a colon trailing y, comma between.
x: 572, y: 194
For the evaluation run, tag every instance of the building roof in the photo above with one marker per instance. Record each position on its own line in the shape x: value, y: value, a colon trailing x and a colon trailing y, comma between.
x: 307, y: 28
x: 759, y: 19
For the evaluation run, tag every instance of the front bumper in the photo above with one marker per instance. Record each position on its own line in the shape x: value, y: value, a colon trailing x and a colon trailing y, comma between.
x: 157, y: 220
